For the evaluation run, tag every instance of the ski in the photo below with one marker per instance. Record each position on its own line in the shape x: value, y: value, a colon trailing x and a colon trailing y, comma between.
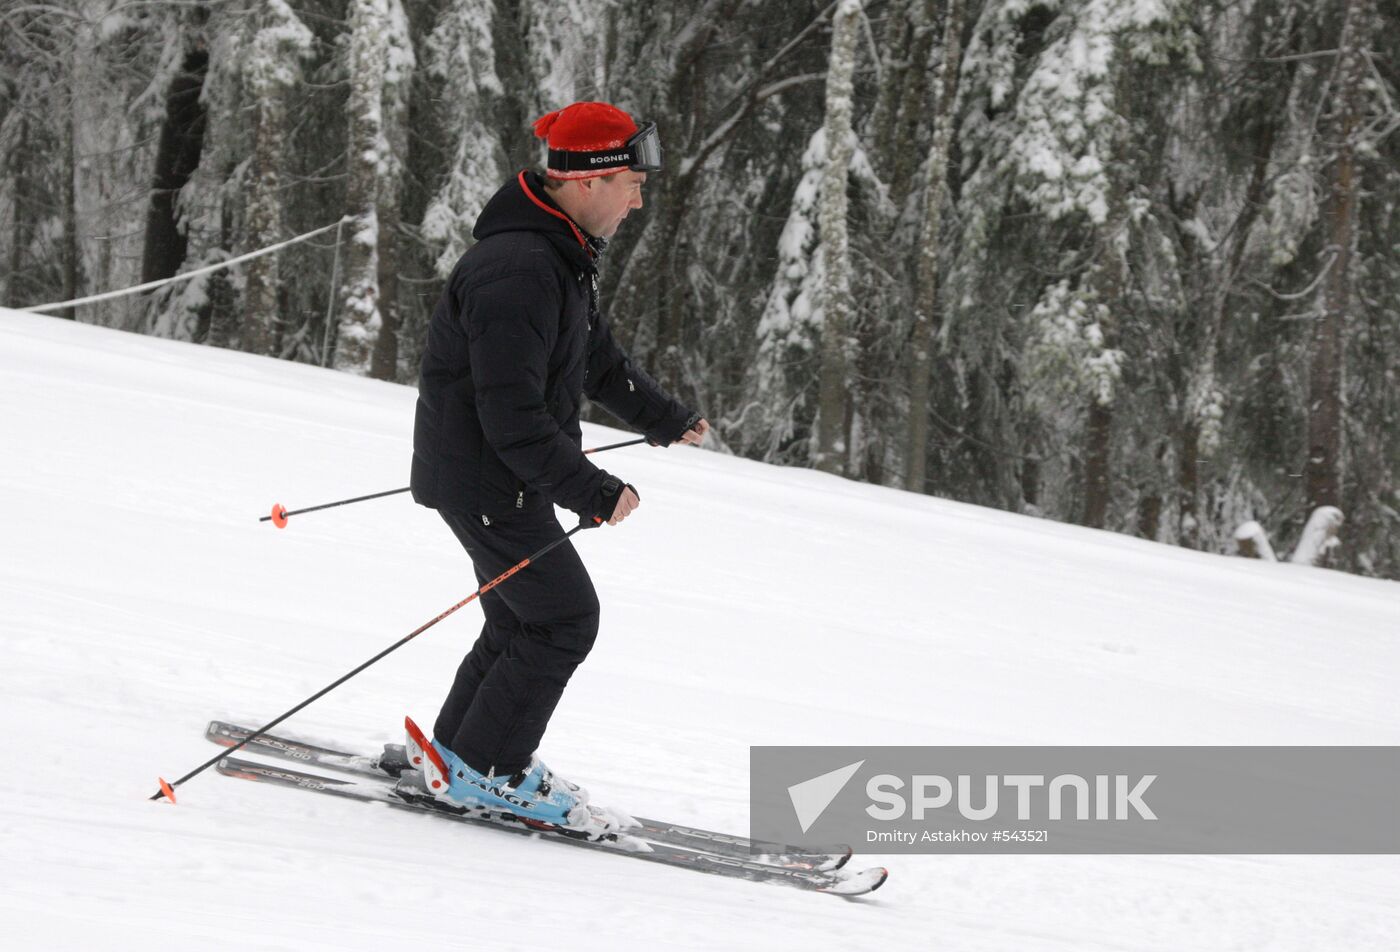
x: 406, y: 794
x: 393, y: 763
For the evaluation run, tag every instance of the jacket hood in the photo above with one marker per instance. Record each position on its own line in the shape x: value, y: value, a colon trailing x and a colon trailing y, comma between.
x: 523, y: 204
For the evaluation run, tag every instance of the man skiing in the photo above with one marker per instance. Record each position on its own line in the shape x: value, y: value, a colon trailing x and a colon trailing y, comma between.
x: 515, y: 342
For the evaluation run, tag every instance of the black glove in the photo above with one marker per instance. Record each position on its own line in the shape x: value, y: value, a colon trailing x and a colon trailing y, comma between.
x: 605, y: 501
x: 662, y: 440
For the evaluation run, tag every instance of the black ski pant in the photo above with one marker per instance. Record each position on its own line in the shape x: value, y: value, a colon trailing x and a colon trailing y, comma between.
x: 540, y: 624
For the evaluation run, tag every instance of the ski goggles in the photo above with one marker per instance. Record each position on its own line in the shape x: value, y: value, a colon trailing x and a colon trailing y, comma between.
x: 641, y: 153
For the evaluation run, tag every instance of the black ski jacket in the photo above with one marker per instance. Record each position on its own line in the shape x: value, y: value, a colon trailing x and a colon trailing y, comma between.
x: 514, y: 343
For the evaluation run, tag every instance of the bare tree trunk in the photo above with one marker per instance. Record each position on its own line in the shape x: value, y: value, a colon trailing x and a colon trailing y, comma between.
x: 925, y: 331
x: 1030, y: 480
x: 1097, y: 455
x: 19, y: 230
x: 1189, y: 484
x: 670, y: 300
x: 177, y: 156
x: 261, y: 332
x: 1323, y: 474
x: 898, y: 36
x: 1109, y: 279
x: 837, y: 304
x: 386, y: 346
x: 1149, y: 515
x: 218, y: 318
x: 70, y: 198
x: 914, y: 94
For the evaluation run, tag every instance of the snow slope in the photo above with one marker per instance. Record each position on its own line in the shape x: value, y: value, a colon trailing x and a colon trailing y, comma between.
x: 744, y: 604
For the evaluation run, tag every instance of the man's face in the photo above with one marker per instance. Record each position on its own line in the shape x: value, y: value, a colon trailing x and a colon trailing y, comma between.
x: 611, y: 200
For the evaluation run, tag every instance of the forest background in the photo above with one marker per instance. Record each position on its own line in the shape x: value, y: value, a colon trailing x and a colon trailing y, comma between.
x: 1126, y: 263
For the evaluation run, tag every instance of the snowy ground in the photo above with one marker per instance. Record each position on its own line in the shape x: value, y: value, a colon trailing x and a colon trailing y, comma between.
x: 743, y: 604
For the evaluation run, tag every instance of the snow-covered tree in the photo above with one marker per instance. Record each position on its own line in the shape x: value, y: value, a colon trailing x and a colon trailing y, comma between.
x: 380, y: 64
x: 461, y: 62
x: 1055, y: 142
x: 398, y: 83
x: 783, y: 382
x: 788, y: 331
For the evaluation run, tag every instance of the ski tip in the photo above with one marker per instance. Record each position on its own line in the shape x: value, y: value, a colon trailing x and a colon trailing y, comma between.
x: 279, y: 516
x: 216, y: 732
x: 860, y: 883
x: 835, y: 861
x: 167, y: 790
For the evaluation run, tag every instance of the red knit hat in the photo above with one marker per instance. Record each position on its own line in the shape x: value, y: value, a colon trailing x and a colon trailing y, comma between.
x: 585, y: 127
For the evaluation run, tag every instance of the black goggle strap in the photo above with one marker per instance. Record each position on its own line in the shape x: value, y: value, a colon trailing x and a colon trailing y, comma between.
x: 563, y: 161
x: 642, y: 153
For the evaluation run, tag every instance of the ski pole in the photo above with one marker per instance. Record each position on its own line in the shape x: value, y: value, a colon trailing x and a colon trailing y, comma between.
x: 615, y: 446
x: 279, y: 515
x: 167, y: 790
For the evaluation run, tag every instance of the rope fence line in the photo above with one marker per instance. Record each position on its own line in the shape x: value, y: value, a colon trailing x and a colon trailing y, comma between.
x: 152, y: 285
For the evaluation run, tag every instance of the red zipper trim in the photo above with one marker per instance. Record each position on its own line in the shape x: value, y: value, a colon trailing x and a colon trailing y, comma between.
x: 556, y: 213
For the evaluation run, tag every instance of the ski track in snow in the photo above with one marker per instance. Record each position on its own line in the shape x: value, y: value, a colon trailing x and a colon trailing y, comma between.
x: 744, y: 604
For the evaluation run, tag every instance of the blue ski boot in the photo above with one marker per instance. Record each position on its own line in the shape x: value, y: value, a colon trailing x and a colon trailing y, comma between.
x: 531, y: 794
x: 534, y: 794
